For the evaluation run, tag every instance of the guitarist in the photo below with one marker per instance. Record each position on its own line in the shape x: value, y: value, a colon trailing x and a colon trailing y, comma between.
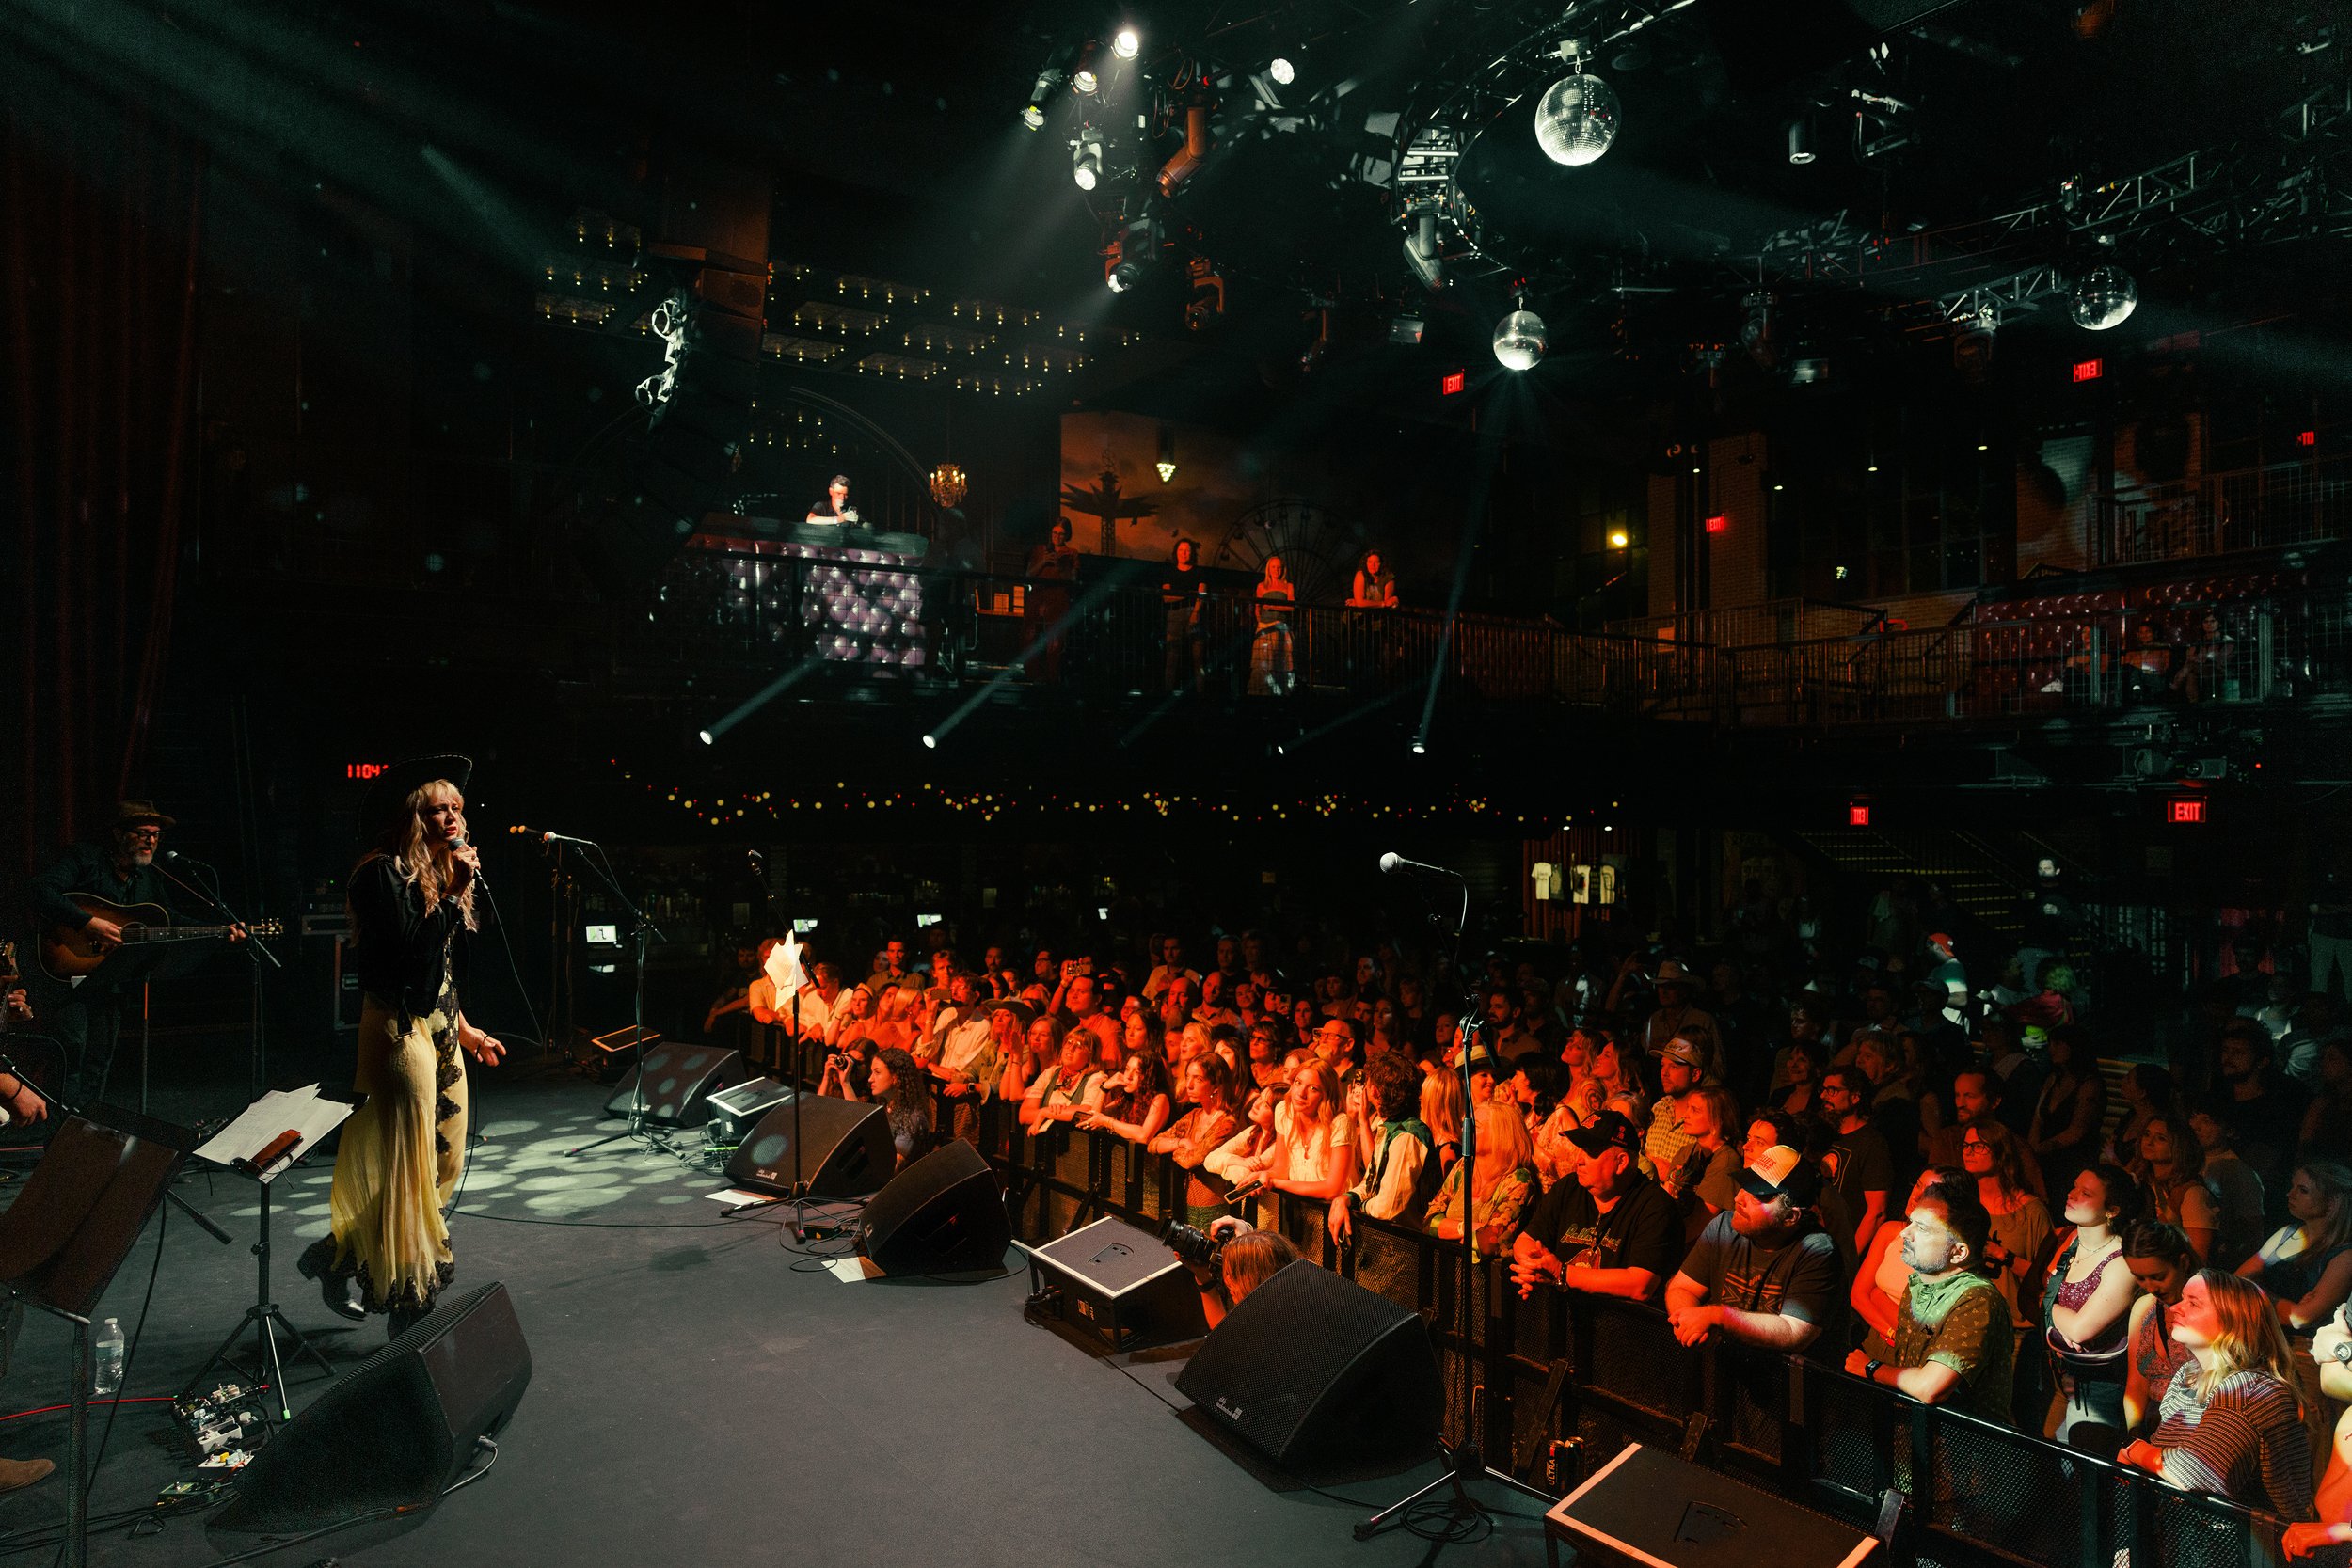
x: 87, y: 1017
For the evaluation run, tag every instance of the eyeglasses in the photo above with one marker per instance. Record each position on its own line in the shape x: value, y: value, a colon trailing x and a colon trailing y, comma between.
x: 143, y: 833
x: 1973, y: 1143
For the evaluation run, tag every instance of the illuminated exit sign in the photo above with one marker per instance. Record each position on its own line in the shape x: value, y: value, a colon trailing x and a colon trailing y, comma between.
x: 2090, y: 370
x: 2187, y: 810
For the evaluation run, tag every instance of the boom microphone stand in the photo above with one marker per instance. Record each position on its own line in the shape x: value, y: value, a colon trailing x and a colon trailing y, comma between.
x: 645, y: 931
x: 1465, y: 1461
x: 258, y: 1069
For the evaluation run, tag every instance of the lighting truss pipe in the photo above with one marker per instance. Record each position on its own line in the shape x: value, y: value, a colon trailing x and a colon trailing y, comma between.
x: 1192, y: 154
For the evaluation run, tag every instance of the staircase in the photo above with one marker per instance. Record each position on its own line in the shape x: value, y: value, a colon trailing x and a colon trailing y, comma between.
x: 1985, y: 873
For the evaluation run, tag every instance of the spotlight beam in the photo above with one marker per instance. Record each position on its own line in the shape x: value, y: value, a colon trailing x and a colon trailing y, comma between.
x: 1490, y: 449
x: 1116, y: 578
x: 765, y: 694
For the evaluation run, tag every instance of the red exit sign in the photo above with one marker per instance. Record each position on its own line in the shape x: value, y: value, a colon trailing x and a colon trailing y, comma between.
x: 1718, y: 523
x: 2090, y: 370
x: 366, y: 769
x: 1454, y: 383
x: 2187, y: 809
x: 1858, y: 813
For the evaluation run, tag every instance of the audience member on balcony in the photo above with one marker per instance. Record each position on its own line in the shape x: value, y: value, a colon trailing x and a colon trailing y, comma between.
x: 1503, y: 1183
x: 1374, y: 587
x: 2170, y: 1169
x: 1135, y: 1102
x: 1183, y: 592
x: 2306, y: 1265
x: 1401, y: 1173
x: 2232, y: 1424
x: 1681, y: 1067
x: 1053, y: 568
x: 1766, y: 1274
x: 2087, y: 1301
x: 1063, y: 1091
x: 1884, y: 1275
x: 2210, y: 667
x: 1952, y: 1342
x: 2147, y: 664
x: 2022, y: 1236
x: 1858, y: 1162
x: 2162, y: 1264
x: 1314, y: 1145
x: 1610, y: 1229
x: 2327, y: 1132
x: 2065, y: 1129
x: 1977, y: 1097
x: 1708, y: 1176
x: 895, y: 1081
x: 1271, y: 667
x: 2268, y: 1108
x: 2332, y: 1351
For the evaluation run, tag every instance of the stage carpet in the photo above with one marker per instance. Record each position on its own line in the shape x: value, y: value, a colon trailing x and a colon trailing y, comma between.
x: 702, y: 1394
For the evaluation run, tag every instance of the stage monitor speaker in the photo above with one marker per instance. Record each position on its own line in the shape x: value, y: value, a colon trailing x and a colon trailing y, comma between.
x: 734, y: 1112
x: 1311, y: 1368
x: 395, y: 1432
x: 1119, y: 1285
x: 1649, y: 1509
x: 846, y: 1144
x: 680, y: 1081
x: 943, y: 1214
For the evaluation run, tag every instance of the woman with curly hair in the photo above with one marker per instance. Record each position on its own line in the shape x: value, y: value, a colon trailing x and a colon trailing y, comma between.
x: 894, y: 1080
x: 1137, y: 1101
x: 403, y: 1151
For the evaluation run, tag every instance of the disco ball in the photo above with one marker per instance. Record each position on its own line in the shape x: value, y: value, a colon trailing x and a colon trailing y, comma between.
x: 2103, y: 297
x: 1520, y: 340
x: 1576, y: 119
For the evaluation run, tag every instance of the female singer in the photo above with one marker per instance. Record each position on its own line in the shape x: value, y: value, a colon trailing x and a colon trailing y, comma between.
x: 403, y: 1149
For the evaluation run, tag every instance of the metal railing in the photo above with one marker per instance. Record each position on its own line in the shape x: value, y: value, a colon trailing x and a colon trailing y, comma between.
x: 1593, y: 1373
x: 2246, y: 509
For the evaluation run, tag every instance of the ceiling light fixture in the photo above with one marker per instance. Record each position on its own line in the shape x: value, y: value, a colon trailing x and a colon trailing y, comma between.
x: 1576, y: 119
x: 1127, y: 44
x: 1282, y: 69
x: 1086, y: 161
x: 1800, y: 142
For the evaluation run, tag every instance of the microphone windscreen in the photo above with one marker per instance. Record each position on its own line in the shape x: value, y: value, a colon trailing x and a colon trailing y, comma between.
x: 1390, y: 861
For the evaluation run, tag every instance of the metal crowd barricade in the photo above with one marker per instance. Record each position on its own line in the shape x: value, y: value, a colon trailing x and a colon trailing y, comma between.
x: 1598, y: 1373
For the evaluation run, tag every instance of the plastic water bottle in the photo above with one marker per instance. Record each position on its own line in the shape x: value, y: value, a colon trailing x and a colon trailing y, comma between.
x: 106, y: 1360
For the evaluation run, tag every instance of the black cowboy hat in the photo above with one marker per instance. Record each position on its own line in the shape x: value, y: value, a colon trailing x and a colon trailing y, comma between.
x: 390, y: 791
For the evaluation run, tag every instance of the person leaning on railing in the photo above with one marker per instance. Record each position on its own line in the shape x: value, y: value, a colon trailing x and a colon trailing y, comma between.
x: 2231, y: 1423
x: 1766, y: 1274
x: 1609, y: 1229
x: 1199, y: 1132
x: 1402, y: 1171
x: 2332, y: 1348
x: 1953, y: 1343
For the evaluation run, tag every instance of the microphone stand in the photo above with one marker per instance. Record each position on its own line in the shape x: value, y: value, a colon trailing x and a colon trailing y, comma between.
x: 1465, y: 1461
x: 258, y: 1069
x: 646, y: 931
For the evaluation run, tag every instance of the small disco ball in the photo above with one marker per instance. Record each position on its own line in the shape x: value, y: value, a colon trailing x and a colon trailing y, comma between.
x: 2103, y: 297
x: 1576, y: 119
x: 1520, y: 340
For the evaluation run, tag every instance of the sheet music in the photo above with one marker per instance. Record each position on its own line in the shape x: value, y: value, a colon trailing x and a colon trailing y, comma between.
x: 783, y: 968
x: 303, y: 1110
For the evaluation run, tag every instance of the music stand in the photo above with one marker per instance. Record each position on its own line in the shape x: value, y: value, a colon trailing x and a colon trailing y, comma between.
x: 253, y: 1146
x: 73, y: 1222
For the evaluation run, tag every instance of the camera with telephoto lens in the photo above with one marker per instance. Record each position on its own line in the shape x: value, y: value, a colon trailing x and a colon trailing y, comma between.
x: 1191, y: 1243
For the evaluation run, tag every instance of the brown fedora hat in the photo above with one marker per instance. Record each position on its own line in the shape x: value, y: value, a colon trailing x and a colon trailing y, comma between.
x: 133, y: 814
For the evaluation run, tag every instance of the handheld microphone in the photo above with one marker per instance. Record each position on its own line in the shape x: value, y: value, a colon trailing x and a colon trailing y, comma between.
x: 1396, y: 864
x: 479, y: 880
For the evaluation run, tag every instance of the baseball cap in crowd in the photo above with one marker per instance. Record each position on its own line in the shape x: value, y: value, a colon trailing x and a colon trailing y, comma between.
x: 1781, y: 1170
x: 1607, y: 1130
x: 1941, y: 943
x: 1681, y: 1050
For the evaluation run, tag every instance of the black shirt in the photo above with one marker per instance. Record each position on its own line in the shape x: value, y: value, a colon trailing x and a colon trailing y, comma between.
x: 90, y: 868
x: 1859, y: 1163
x: 1182, y: 585
x: 1642, y: 1230
x: 399, y: 952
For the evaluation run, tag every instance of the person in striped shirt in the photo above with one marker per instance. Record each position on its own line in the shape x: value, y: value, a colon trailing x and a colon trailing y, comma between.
x: 2231, y: 1422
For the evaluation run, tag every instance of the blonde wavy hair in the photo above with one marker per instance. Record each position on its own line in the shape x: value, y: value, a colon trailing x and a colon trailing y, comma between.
x: 425, y: 867
x: 2249, y: 1340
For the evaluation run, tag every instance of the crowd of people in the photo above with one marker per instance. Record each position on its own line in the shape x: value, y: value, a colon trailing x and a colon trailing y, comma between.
x: 1932, y: 1184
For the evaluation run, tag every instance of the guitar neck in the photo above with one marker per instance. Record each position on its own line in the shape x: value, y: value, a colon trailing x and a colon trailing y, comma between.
x: 173, y: 933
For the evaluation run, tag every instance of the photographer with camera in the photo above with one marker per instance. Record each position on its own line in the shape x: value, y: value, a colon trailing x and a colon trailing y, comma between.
x: 1076, y: 1004
x: 1229, y: 1260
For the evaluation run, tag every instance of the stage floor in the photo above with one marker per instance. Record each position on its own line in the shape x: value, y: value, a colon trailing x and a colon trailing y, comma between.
x: 701, y: 1394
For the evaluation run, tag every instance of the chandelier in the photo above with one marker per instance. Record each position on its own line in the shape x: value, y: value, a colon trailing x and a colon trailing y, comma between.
x: 948, y: 485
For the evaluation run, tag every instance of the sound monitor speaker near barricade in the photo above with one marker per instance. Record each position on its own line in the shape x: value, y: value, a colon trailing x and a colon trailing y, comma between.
x: 1117, y: 1285
x: 395, y: 1432
x: 680, y: 1081
x: 943, y: 1214
x: 1310, y: 1367
x: 847, y: 1151
x: 1649, y: 1509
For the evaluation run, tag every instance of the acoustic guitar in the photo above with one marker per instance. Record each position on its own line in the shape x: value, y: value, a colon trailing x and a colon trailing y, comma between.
x: 69, y: 955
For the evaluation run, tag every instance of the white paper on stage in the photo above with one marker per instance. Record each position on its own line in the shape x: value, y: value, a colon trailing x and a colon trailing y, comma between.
x: 852, y: 1270
x: 733, y: 1196
x: 305, y: 1110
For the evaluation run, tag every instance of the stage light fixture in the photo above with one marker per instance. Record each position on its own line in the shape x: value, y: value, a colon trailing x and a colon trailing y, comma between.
x: 1087, y: 82
x: 1619, y: 539
x: 705, y: 738
x: 2103, y: 297
x: 1281, y: 70
x: 1034, y: 116
x: 1801, y: 141
x: 1168, y: 454
x: 1576, y: 119
x: 1420, y: 251
x: 1127, y: 44
x: 1520, y: 338
x: 1048, y: 83
x: 930, y: 743
x: 1086, y: 162
x: 1420, y: 747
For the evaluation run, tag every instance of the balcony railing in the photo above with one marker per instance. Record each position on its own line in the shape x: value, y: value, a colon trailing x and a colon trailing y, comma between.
x: 2248, y: 508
